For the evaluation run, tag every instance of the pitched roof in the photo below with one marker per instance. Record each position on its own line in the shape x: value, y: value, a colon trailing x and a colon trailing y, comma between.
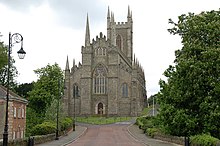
x: 12, y: 96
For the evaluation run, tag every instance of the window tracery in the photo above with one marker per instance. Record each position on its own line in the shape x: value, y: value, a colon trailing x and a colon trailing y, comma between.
x: 100, y: 80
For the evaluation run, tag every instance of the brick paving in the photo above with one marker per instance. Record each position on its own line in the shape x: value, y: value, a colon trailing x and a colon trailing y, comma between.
x: 119, y: 134
x: 107, y: 135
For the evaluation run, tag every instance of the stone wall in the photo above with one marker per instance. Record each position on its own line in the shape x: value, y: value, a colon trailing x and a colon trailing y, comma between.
x: 169, y: 138
x: 37, y: 140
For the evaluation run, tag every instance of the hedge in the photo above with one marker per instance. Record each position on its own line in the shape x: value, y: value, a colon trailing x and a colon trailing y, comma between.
x: 66, y: 123
x: 204, y: 139
x: 43, y: 129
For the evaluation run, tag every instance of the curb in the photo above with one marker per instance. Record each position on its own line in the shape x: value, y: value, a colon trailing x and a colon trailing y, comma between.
x: 132, y: 135
x: 76, y: 138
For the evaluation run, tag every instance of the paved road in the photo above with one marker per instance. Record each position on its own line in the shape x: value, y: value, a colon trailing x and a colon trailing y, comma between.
x: 107, y: 135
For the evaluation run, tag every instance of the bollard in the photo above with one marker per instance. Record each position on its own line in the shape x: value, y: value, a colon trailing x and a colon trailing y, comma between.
x: 31, y: 141
x: 186, y: 141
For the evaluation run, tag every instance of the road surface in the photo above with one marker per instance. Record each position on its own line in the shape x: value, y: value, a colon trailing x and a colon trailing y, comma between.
x: 107, y: 135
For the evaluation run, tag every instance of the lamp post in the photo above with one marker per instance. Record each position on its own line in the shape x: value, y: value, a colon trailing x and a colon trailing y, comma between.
x: 58, y: 104
x: 74, y: 109
x: 13, y: 39
x: 153, y: 106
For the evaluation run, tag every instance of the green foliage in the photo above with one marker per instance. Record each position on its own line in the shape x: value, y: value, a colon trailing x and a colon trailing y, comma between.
x: 44, y: 128
x: 43, y: 97
x: 204, y: 139
x: 151, y: 98
x: 145, y: 122
x: 32, y: 118
x: 139, y: 122
x: 145, y: 112
x: 151, y: 131
x: 47, y: 88
x: 3, y: 55
x: 102, y: 120
x: 4, y: 68
x: 23, y: 89
x: 189, y: 100
x: 66, y: 123
x: 51, y: 112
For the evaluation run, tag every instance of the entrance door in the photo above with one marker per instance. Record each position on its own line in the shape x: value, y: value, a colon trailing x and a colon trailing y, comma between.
x: 100, y: 108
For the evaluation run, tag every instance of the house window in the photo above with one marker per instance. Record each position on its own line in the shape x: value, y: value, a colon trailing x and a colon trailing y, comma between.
x: 14, y: 134
x: 99, y: 80
x: 19, y: 113
x: 124, y: 90
x: 18, y: 134
x: 22, y: 134
x: 14, y: 112
x: 22, y: 112
x: 76, y: 91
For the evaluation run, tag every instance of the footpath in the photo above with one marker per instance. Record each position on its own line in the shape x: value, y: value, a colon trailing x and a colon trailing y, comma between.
x: 133, y: 130
x: 65, y: 140
x: 139, y: 135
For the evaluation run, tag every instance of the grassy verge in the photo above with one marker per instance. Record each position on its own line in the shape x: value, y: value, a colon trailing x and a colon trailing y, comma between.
x: 102, y: 120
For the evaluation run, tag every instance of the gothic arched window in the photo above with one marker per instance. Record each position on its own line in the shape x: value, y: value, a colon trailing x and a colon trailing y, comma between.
x: 100, y: 80
x: 124, y: 90
x: 76, y: 91
x: 119, y: 42
x: 100, y: 51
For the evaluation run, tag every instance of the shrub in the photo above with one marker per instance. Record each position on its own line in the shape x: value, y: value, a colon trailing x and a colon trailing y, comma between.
x: 66, y: 123
x: 151, y: 131
x: 44, y: 128
x: 204, y: 139
x: 145, y: 122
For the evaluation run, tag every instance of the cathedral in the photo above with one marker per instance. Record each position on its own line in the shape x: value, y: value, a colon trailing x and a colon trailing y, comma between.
x: 109, y: 81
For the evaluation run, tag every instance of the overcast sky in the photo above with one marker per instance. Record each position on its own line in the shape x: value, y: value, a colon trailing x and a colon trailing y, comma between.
x: 53, y: 29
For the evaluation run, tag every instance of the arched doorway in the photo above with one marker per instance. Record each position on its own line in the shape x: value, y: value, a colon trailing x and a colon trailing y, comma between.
x: 100, y: 109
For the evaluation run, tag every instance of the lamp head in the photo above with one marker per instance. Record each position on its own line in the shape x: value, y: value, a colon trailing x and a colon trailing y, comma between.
x: 21, y: 53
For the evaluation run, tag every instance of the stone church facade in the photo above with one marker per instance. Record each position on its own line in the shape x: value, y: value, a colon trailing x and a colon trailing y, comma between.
x: 109, y: 81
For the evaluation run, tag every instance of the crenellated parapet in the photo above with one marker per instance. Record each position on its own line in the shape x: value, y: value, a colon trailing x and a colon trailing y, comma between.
x: 75, y: 67
x: 99, y: 39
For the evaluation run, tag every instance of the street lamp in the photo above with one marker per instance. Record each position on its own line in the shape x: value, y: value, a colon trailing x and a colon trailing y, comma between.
x: 58, y: 104
x: 74, y: 109
x: 153, y: 106
x: 13, y: 39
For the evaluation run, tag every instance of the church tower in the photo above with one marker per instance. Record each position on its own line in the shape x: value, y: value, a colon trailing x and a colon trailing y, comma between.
x: 121, y: 33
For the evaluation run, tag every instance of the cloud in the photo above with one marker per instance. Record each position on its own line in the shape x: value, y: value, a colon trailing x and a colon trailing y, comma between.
x: 21, y: 5
x: 69, y: 13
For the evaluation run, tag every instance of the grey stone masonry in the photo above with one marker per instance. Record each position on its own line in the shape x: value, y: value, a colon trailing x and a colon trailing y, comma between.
x: 109, y: 81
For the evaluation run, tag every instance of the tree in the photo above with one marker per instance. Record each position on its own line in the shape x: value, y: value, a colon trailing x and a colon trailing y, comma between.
x: 3, y: 55
x: 4, y: 68
x: 189, y: 100
x: 46, y: 88
x: 23, y: 89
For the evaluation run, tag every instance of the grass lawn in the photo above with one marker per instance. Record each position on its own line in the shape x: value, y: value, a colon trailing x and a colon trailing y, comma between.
x: 102, y: 120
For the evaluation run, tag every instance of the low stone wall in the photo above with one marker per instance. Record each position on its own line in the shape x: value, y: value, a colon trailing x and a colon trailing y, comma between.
x: 175, y: 139
x: 37, y: 140
x: 44, y: 138
x: 169, y: 138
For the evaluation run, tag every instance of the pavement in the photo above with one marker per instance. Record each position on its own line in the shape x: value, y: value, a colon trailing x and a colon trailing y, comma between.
x: 133, y: 130
x: 65, y: 140
x: 139, y: 135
